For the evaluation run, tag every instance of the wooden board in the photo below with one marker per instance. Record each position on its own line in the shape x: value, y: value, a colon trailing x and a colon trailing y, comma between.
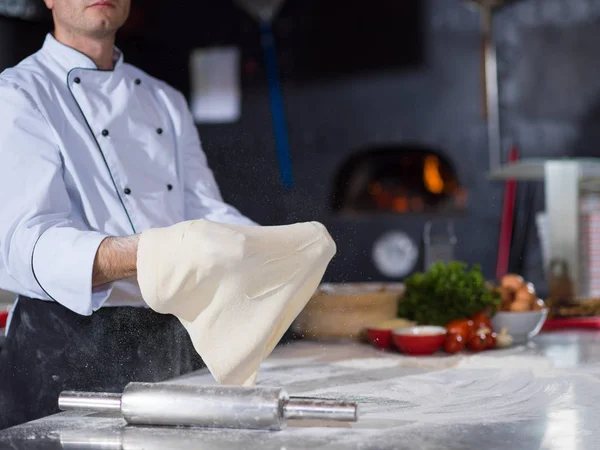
x: 343, y: 311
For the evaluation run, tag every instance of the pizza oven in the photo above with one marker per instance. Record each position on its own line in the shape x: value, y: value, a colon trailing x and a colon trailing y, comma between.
x: 393, y: 209
x: 399, y: 180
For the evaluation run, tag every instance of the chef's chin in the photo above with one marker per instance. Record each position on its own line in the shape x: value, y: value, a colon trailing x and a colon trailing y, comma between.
x: 104, y: 21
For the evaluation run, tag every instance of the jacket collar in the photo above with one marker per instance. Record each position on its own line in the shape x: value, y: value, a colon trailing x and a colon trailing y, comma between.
x: 68, y: 58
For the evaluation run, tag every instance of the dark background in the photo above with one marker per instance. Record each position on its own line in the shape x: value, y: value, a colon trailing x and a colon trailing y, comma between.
x: 385, y: 72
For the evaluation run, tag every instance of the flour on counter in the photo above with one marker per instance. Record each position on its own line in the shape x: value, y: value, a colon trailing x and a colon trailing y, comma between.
x: 422, y: 362
x: 539, y: 365
x: 287, y: 362
x: 455, y: 396
x: 272, y: 373
x: 368, y: 363
x: 475, y: 402
x: 299, y: 374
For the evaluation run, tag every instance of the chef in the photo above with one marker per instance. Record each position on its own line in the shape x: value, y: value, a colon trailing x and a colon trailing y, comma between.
x: 93, y: 151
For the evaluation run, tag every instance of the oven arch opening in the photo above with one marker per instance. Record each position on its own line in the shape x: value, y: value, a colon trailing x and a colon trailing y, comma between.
x: 400, y: 179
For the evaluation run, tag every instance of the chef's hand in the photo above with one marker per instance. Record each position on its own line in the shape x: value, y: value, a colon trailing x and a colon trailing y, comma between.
x: 116, y: 259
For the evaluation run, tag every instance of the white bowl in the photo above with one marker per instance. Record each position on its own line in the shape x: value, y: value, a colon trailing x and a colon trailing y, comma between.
x: 522, y: 326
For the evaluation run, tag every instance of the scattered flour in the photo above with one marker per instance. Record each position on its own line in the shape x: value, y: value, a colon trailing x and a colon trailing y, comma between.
x: 286, y: 362
x: 538, y: 365
x: 422, y: 362
x: 455, y: 396
x: 405, y: 403
x: 368, y: 363
x: 299, y: 374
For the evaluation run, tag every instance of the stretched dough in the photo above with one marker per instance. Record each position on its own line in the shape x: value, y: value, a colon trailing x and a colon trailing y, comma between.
x: 236, y: 289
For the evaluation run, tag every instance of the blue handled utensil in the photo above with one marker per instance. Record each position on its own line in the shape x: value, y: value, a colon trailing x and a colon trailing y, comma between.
x: 265, y: 11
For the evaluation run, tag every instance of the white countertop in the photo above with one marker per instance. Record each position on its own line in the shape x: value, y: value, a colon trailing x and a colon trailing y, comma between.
x: 545, y: 395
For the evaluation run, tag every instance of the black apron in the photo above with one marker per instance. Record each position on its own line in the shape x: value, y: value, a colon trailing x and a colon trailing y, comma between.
x: 49, y: 348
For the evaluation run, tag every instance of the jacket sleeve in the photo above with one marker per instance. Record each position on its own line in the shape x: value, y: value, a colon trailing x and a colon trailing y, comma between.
x: 45, y: 252
x: 203, y: 198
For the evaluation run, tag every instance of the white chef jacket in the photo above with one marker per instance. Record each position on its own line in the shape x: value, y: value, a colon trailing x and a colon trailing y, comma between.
x: 85, y: 154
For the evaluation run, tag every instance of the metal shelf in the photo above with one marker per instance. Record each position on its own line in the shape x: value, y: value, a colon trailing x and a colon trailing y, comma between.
x: 566, y: 180
x: 534, y: 169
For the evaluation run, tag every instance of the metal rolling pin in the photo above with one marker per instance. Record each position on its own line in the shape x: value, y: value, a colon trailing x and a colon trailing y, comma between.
x: 255, y: 407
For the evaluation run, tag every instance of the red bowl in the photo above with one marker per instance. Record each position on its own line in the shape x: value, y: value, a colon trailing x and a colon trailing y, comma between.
x: 421, y: 340
x: 380, y: 338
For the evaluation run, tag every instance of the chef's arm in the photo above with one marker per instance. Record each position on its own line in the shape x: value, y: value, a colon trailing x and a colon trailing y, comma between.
x: 116, y: 259
x: 201, y: 193
x: 46, y: 250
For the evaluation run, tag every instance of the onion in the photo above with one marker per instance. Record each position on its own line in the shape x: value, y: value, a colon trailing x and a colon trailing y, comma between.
x: 507, y: 296
x: 520, y: 306
x: 512, y: 281
x: 526, y: 294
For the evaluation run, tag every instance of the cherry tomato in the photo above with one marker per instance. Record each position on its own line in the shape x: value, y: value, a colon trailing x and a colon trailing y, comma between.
x: 481, y: 320
x: 490, y: 340
x: 478, y: 342
x: 454, y: 343
x: 462, y: 327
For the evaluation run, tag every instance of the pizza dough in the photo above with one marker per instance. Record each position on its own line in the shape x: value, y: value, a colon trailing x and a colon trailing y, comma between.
x: 236, y: 289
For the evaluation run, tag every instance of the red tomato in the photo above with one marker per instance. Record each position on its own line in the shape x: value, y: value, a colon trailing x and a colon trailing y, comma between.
x: 454, y: 343
x: 462, y: 327
x: 481, y: 320
x: 490, y: 340
x: 478, y: 342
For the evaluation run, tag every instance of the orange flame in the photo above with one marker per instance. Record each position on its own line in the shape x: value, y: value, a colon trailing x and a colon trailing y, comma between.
x: 432, y: 176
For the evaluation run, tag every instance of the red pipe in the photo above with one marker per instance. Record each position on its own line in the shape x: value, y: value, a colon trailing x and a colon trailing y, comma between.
x: 506, y: 226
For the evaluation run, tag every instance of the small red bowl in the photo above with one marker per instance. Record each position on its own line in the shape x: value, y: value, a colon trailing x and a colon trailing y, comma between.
x: 380, y: 338
x: 421, y: 340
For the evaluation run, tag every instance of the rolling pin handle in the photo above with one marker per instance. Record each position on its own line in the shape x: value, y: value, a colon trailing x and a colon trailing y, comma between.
x: 89, y: 401
x: 319, y: 409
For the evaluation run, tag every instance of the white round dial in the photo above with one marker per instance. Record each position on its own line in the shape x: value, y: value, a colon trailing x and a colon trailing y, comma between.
x: 395, y: 254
